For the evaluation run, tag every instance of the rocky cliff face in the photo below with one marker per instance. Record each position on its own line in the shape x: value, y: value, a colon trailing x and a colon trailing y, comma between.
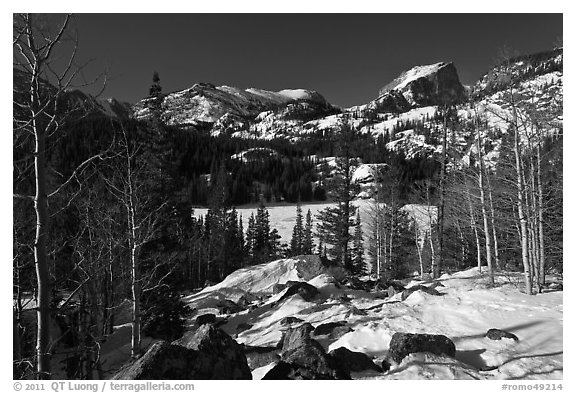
x: 228, y: 109
x: 427, y: 85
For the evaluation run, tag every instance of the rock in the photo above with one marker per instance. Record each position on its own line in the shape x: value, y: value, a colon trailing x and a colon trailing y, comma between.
x: 205, y: 318
x: 307, y: 357
x: 224, y: 355
x: 403, y: 344
x: 207, y: 353
x: 327, y: 328
x: 294, y: 337
x: 243, y: 326
x: 290, y: 320
x: 305, y: 290
x: 411, y: 290
x: 353, y: 361
x: 497, y: 334
x: 277, y: 288
x: 427, y: 85
x: 385, y: 365
x: 385, y: 285
x: 261, y: 356
x: 228, y: 307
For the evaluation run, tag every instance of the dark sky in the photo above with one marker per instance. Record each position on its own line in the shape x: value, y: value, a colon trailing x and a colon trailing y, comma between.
x: 345, y: 57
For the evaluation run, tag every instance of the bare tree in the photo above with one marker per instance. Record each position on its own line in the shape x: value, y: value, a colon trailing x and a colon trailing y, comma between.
x: 39, y: 113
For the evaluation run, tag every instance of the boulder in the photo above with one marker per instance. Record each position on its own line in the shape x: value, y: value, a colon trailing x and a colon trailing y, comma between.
x: 242, y: 327
x: 423, y: 288
x: 306, y: 357
x: 497, y: 334
x: 205, y: 318
x: 290, y: 320
x: 305, y: 290
x: 327, y: 328
x: 403, y: 344
x: 207, y: 353
x: 261, y: 356
x: 224, y: 355
x: 353, y: 361
x: 227, y: 306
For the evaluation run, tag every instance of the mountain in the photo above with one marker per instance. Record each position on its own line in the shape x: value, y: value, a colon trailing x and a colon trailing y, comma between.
x: 71, y: 100
x: 238, y: 112
x: 426, y: 85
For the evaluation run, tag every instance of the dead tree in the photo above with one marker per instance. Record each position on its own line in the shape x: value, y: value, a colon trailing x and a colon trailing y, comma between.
x: 40, y: 114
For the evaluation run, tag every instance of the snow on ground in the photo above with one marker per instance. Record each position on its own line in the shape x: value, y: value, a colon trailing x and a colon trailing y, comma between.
x: 464, y: 312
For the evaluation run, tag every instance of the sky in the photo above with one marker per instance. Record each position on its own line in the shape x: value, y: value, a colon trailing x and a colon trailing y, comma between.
x: 345, y: 57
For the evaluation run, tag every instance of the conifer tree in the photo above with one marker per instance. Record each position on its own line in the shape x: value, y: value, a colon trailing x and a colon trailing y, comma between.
x: 308, y: 243
x: 297, y: 242
x: 155, y: 89
x: 335, y: 222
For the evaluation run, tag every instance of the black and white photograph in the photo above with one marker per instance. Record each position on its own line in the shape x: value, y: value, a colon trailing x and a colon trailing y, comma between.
x: 286, y: 196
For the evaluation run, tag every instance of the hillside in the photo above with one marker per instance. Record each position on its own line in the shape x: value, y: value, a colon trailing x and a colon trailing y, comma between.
x: 464, y: 309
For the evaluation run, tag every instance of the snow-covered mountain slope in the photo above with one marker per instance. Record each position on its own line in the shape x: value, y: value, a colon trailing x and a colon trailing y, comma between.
x: 229, y: 109
x: 466, y: 308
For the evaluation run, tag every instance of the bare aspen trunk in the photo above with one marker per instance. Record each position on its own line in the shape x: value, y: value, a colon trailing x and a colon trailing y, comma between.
x: 493, y: 222
x: 40, y: 258
x: 438, y: 265
x: 419, y: 249
x: 474, y: 228
x: 541, y: 218
x: 520, y: 207
x: 487, y: 237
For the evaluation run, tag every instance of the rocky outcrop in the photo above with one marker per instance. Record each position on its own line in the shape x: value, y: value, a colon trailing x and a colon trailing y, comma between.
x: 205, y: 318
x: 305, y: 290
x: 434, y: 84
x: 261, y: 356
x: 409, y: 291
x: 353, y: 361
x: 304, y: 358
x: 403, y: 344
x: 208, y: 353
x: 497, y: 334
x: 330, y: 327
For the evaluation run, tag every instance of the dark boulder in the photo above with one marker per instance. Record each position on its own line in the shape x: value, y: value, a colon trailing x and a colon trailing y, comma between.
x: 207, y: 353
x: 228, y: 307
x: 305, y: 290
x: 423, y: 288
x: 205, y: 318
x: 290, y: 320
x: 261, y: 356
x: 396, y: 286
x: 224, y: 355
x: 497, y: 334
x: 353, y: 361
x: 306, y: 357
x: 403, y: 344
x: 385, y: 365
x: 243, y: 326
x: 327, y: 328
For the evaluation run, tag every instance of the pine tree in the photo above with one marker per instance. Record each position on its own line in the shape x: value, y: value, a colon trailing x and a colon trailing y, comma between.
x: 335, y: 222
x: 358, y: 248
x: 308, y: 243
x: 297, y: 242
x: 155, y: 89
